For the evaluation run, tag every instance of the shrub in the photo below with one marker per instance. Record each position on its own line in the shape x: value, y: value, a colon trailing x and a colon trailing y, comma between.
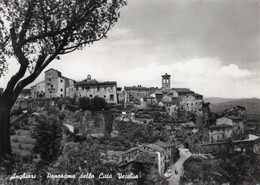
x: 15, y: 140
x: 16, y: 112
x: 48, y: 135
x: 94, y: 104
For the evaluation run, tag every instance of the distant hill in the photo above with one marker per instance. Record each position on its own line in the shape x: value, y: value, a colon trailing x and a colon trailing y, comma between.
x: 214, y: 100
x: 252, y: 105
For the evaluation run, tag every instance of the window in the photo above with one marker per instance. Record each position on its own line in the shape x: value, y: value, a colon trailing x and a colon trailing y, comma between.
x: 61, y: 95
x: 61, y: 90
x: 61, y: 81
x: 105, y: 96
x: 50, y: 92
x: 82, y: 88
x: 90, y: 95
x: 98, y: 89
x: 111, y: 97
x: 77, y: 88
x: 49, y: 79
x: 51, y: 86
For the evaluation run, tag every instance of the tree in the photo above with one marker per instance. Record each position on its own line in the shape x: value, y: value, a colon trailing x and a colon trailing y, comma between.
x: 48, y: 135
x: 35, y: 32
x: 95, y: 104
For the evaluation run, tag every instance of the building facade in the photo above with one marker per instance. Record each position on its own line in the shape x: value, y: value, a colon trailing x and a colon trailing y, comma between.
x: 91, y: 88
x: 54, y: 85
x: 38, y: 90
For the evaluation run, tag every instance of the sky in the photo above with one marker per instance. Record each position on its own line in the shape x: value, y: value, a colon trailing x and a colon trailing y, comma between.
x: 209, y: 46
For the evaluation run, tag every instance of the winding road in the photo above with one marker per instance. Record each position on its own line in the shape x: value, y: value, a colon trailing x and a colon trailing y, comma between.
x: 178, y: 167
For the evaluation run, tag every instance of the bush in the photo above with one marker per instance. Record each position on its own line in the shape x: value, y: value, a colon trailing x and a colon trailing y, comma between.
x: 71, y: 107
x: 94, y: 104
x: 48, y: 135
x: 16, y: 112
x: 15, y: 140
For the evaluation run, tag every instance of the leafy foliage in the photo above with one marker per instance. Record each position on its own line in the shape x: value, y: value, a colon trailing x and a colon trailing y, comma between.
x: 141, y: 133
x: 48, y: 135
x: 94, y: 104
x: 36, y: 32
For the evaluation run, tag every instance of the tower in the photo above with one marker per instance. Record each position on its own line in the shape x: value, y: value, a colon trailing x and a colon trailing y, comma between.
x: 166, y: 81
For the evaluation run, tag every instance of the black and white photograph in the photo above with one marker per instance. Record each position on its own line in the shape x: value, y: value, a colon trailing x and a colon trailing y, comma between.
x: 129, y: 92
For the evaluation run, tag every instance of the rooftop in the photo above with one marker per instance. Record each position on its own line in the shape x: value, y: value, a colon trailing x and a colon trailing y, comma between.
x: 196, y: 94
x: 220, y: 126
x: 183, y: 90
x: 166, y: 75
x: 155, y: 147
x: 164, y: 144
x: 189, y: 124
x: 136, y: 88
x: 91, y: 82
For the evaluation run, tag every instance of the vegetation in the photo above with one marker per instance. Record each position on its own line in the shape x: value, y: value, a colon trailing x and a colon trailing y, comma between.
x: 48, y: 135
x: 140, y: 133
x: 37, y: 32
x: 94, y: 104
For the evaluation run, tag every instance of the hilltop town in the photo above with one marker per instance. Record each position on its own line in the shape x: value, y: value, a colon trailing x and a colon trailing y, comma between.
x: 148, y: 133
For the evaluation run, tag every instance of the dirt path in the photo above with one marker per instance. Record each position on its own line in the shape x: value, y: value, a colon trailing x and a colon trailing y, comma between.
x: 177, y: 168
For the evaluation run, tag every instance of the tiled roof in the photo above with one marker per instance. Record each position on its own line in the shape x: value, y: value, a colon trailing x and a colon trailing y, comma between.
x: 219, y: 126
x: 196, y: 94
x: 136, y: 88
x: 183, y: 90
x: 148, y: 97
x: 90, y: 82
x: 235, y: 117
x: 53, y: 70
x: 164, y: 144
x: 155, y: 147
x: 130, y: 150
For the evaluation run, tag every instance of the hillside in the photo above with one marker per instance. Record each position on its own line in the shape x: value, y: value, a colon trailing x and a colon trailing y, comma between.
x: 252, y: 105
x: 214, y: 100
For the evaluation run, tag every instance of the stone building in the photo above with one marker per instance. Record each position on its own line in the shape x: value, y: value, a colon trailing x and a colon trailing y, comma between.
x: 155, y: 152
x: 218, y: 133
x: 166, y: 81
x: 91, y: 88
x: 38, y: 90
x: 226, y: 127
x: 54, y: 85
x: 136, y: 92
x: 173, y: 99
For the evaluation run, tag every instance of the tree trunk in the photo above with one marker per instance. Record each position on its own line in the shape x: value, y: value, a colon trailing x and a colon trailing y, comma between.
x: 5, y: 145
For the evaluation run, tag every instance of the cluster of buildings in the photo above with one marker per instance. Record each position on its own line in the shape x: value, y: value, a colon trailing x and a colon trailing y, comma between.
x: 173, y: 99
x: 56, y: 85
x: 231, y: 124
x: 159, y: 154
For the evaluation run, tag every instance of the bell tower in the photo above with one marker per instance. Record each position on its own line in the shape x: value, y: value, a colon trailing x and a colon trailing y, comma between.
x: 166, y: 81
